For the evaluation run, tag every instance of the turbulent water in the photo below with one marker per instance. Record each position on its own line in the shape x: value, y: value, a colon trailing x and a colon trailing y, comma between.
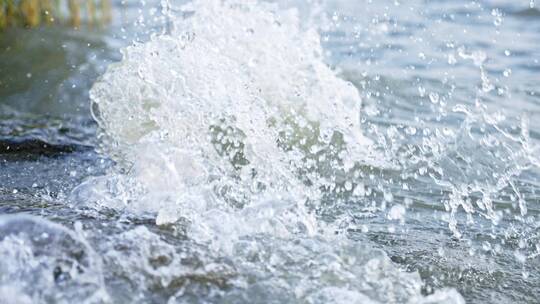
x: 274, y: 152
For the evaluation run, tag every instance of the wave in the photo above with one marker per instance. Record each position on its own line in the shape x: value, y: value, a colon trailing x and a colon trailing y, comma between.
x: 233, y: 123
x: 234, y: 105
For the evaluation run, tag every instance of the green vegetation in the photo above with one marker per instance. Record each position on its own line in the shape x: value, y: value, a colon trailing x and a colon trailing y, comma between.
x: 33, y: 13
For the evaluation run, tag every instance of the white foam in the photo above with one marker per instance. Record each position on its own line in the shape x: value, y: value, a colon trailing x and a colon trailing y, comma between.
x: 234, y: 122
x: 233, y: 105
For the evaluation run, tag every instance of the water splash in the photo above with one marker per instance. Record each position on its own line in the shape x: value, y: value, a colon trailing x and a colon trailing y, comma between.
x: 249, y: 117
x: 233, y: 124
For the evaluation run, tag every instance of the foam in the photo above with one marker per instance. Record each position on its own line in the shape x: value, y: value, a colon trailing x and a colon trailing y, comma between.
x: 233, y: 123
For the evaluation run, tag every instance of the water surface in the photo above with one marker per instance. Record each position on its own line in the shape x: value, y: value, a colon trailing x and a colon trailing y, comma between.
x: 184, y: 192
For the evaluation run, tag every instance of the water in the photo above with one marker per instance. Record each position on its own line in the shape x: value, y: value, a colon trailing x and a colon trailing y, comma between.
x: 297, y: 151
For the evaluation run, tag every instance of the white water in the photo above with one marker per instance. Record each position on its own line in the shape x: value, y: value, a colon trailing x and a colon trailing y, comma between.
x: 233, y: 112
x: 233, y: 124
x: 233, y: 136
x: 231, y: 131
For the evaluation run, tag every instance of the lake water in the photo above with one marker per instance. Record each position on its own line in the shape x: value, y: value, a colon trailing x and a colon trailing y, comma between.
x: 274, y: 152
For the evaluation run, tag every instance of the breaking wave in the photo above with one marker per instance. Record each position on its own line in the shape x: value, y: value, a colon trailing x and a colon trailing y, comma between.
x: 233, y: 127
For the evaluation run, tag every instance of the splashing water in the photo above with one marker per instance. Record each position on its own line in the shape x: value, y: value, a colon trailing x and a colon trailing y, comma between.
x: 266, y: 176
x: 233, y: 124
x: 220, y: 117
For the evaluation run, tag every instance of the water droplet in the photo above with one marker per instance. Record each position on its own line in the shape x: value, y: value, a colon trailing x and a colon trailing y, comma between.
x: 388, y: 197
x: 440, y: 251
x: 359, y: 190
x: 451, y: 59
x: 422, y: 91
x: 498, y: 17
x: 434, y: 97
x: 397, y: 212
x: 520, y: 257
x: 410, y: 130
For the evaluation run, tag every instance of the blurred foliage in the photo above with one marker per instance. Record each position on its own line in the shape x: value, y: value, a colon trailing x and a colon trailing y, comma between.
x: 33, y: 13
